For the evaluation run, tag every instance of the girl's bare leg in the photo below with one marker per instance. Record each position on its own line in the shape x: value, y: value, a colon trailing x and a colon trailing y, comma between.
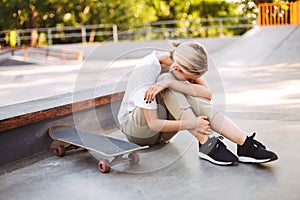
x: 218, y: 121
x: 220, y: 124
x: 223, y: 125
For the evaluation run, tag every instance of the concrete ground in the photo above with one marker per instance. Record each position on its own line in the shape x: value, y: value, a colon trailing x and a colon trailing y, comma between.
x: 173, y: 171
x: 262, y: 97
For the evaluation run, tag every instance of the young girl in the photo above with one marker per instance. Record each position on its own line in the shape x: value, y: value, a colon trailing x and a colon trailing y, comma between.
x: 166, y: 93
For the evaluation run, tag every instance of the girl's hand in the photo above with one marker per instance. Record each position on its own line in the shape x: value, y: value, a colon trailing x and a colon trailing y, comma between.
x: 153, y: 90
x: 203, y: 126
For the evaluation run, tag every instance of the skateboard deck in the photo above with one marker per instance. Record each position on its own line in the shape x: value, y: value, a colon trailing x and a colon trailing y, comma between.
x: 104, y: 145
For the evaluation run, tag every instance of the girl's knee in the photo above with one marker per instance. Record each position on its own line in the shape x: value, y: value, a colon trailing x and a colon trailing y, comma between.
x: 212, y: 114
x: 202, y: 106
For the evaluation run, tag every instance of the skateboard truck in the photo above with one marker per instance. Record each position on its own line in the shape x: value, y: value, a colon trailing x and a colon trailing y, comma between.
x: 61, y: 149
x: 104, y: 166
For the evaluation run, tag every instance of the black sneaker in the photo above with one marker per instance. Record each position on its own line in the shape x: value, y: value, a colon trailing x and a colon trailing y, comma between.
x: 253, y: 151
x: 216, y: 152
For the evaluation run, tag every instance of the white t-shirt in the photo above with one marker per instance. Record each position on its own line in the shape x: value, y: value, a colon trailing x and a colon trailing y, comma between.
x: 142, y: 77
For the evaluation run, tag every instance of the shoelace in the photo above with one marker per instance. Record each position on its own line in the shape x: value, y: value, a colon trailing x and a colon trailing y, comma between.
x: 257, y: 143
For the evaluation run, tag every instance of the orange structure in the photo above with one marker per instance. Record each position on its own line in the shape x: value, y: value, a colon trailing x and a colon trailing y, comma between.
x: 283, y: 13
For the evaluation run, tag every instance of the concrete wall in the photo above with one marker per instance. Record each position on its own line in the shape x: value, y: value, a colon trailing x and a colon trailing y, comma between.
x: 33, y: 138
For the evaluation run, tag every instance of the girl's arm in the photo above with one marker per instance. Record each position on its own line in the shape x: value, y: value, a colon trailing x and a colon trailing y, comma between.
x: 197, y: 88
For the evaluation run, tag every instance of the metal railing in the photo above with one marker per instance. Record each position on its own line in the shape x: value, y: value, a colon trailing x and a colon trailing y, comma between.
x: 54, y: 54
x: 9, y: 50
x: 62, y: 55
x: 283, y: 13
x: 216, y: 27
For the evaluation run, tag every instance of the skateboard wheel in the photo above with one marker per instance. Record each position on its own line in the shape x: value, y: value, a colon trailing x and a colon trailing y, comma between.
x: 60, y: 150
x: 104, y: 166
x: 134, y: 158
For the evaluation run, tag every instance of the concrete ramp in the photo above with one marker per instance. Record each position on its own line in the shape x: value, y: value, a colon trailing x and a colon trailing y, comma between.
x: 262, y: 45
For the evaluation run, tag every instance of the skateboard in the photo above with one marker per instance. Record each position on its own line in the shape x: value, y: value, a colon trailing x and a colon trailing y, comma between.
x: 119, y: 150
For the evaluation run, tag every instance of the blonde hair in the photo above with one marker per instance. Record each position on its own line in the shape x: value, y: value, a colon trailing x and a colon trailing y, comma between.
x: 191, y: 57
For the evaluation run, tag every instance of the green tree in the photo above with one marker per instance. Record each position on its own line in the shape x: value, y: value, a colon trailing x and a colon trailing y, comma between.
x: 14, y: 14
x: 127, y: 14
x: 193, y: 11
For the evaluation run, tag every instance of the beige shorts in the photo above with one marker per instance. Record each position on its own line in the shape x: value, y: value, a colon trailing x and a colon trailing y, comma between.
x: 170, y: 106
